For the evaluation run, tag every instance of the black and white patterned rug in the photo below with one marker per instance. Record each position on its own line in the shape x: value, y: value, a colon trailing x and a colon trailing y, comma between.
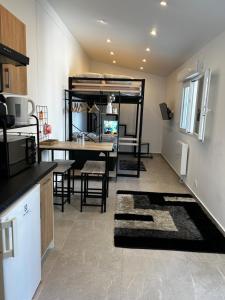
x: 164, y: 221
x: 131, y: 165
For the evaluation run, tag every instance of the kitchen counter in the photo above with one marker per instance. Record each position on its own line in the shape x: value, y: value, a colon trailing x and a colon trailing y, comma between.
x: 13, y: 188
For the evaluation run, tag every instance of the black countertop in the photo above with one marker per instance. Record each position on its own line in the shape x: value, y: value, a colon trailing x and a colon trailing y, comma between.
x: 13, y: 188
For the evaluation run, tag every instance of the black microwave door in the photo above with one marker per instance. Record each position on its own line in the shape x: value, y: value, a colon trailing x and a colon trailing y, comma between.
x: 17, y: 151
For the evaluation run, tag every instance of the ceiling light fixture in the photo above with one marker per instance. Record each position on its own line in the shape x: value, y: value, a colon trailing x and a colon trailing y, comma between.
x: 153, y: 32
x: 114, y: 61
x: 163, y: 3
x: 141, y: 68
x: 111, y: 53
x: 101, y: 21
x: 144, y: 60
x: 147, y: 49
x: 108, y: 41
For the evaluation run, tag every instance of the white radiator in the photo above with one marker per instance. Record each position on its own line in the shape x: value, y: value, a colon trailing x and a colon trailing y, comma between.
x: 181, y: 158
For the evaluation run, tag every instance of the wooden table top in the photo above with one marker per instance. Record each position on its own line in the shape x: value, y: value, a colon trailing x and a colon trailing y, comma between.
x: 87, y: 146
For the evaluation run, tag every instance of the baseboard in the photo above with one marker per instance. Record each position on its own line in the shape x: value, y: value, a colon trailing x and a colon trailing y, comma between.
x: 208, y: 213
x: 169, y: 163
x: 204, y: 207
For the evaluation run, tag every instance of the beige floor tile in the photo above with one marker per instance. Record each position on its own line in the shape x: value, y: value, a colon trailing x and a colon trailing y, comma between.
x: 86, y: 266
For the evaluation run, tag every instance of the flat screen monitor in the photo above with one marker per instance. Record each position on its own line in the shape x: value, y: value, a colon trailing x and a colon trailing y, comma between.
x: 165, y: 111
x: 110, y: 127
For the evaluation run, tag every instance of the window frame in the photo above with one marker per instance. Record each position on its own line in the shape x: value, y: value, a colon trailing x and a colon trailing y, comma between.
x: 193, y: 82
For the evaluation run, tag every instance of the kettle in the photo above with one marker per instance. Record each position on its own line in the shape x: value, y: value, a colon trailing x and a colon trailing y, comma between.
x: 18, y: 106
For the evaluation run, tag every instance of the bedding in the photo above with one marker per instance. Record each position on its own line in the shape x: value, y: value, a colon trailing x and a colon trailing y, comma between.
x: 127, y: 87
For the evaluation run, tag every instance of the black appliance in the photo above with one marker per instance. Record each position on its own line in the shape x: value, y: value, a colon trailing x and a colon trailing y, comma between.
x: 16, y: 154
x: 167, y: 114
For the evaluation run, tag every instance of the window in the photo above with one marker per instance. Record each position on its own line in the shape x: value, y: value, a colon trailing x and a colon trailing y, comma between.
x: 194, y: 106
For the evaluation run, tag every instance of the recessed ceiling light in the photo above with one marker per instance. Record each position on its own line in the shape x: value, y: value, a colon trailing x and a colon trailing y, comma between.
x: 108, y: 41
x: 163, y: 3
x: 144, y: 60
x: 147, y: 49
x: 111, y: 53
x: 114, y: 61
x: 101, y: 21
x: 153, y: 32
x: 141, y: 68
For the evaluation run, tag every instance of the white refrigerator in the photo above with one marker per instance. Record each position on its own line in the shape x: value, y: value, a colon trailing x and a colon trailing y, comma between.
x: 20, y: 260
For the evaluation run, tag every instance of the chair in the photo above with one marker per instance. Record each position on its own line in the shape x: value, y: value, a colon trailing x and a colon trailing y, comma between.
x: 71, y: 163
x: 61, y: 173
x: 93, y: 169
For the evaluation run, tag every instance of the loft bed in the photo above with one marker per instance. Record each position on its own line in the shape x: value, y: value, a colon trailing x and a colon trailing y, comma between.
x: 107, y: 83
x: 95, y: 89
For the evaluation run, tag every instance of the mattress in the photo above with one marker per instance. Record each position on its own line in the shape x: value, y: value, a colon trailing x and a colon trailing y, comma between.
x: 111, y: 76
x: 104, y: 84
x: 89, y: 75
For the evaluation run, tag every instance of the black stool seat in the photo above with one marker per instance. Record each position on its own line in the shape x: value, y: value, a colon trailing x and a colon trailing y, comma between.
x: 93, y: 169
x: 72, y: 164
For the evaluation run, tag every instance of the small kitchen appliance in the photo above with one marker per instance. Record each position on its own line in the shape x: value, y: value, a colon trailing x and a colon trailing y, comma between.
x: 18, y: 106
x: 17, y: 154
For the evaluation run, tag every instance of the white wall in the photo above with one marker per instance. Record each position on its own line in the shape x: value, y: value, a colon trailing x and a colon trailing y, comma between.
x: 54, y: 55
x: 206, y: 161
x: 154, y: 94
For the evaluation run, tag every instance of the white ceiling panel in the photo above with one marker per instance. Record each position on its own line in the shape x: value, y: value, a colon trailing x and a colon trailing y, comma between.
x: 183, y: 27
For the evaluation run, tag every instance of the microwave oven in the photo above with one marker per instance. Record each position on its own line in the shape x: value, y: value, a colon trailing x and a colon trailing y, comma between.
x: 17, y: 154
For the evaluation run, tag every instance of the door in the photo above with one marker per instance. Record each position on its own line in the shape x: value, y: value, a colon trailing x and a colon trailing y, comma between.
x: 12, y: 31
x: 14, y: 79
x: 21, y: 247
x: 13, y: 35
x: 47, y: 216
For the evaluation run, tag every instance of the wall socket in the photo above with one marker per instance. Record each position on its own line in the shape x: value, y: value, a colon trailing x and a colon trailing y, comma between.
x: 196, y: 183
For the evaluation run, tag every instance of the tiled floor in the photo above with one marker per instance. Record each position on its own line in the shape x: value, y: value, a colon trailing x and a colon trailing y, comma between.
x: 84, y: 264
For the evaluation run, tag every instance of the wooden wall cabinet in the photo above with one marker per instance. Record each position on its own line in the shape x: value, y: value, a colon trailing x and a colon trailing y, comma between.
x: 47, y: 213
x: 13, y: 35
x: 14, y: 79
x: 12, y: 31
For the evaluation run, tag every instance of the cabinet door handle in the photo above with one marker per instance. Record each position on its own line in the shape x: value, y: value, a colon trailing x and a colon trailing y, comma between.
x: 7, y: 78
x: 7, y: 231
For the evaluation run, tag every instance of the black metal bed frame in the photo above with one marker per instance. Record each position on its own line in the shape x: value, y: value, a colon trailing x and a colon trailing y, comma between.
x: 100, y: 98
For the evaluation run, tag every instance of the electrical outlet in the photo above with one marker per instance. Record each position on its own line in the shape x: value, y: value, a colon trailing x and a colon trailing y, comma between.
x: 196, y: 183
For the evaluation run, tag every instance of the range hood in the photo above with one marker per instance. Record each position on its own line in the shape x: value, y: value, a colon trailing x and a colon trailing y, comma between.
x: 10, y: 56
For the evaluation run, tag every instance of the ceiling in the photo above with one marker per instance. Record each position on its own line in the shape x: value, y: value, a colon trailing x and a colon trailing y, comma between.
x: 183, y: 27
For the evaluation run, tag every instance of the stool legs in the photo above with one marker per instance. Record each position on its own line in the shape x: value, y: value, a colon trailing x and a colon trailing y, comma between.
x: 87, y: 192
x: 68, y: 186
x: 73, y: 184
x: 104, y: 181
x: 81, y: 195
x: 62, y: 191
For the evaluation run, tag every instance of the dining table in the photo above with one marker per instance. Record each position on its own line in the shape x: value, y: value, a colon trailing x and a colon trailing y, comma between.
x: 88, y: 146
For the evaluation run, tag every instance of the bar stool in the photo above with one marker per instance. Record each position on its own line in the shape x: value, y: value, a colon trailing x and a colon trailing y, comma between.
x: 93, y: 169
x: 60, y: 174
x: 71, y: 163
